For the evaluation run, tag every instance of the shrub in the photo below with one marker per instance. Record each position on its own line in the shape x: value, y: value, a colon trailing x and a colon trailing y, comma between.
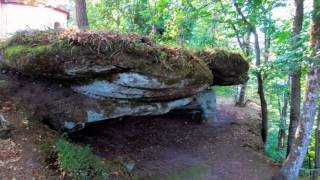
x: 79, y: 162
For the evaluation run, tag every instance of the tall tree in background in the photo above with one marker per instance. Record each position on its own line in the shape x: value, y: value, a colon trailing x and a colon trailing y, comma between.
x: 293, y: 163
x: 295, y: 74
x: 81, y: 14
x: 243, y: 40
x: 283, y: 111
x: 264, y: 107
x: 245, y: 47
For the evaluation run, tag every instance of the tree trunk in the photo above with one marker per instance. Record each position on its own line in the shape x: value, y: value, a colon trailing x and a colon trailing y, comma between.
x: 317, y: 146
x: 245, y: 47
x: 283, y: 117
x: 281, y: 137
x: 295, y: 76
x: 240, y: 102
x: 294, y: 161
x: 244, y: 44
x: 281, y: 132
x: 263, y: 102
x: 267, y: 41
x: 81, y: 14
x: 295, y: 102
x: 264, y: 108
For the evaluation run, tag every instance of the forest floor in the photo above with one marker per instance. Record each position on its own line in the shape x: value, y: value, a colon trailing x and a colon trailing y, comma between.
x: 158, y: 147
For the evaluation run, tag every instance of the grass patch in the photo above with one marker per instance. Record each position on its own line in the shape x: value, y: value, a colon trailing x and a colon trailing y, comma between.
x: 79, y: 162
x: 75, y: 161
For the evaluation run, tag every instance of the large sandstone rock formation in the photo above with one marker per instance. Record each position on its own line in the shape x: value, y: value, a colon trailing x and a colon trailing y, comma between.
x: 73, y: 78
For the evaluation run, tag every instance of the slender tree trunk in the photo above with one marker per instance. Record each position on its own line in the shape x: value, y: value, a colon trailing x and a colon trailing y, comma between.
x: 317, y: 146
x: 293, y: 163
x: 267, y: 42
x: 281, y: 137
x: 240, y: 102
x: 295, y: 76
x: 81, y: 14
x: 263, y: 102
x: 264, y: 108
x: 245, y: 47
x: 280, y: 133
x: 283, y: 117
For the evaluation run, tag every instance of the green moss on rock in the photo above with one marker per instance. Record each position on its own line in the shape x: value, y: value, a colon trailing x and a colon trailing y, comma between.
x: 229, y: 68
x: 53, y: 53
x: 23, y: 50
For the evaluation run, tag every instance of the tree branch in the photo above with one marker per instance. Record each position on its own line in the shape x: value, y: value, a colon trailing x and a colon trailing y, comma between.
x: 236, y: 5
x: 241, y: 44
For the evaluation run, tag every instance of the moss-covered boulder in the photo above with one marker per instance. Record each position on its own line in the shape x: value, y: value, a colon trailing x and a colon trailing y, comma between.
x: 108, y: 64
x: 73, y: 78
x: 228, y: 68
x: 71, y: 55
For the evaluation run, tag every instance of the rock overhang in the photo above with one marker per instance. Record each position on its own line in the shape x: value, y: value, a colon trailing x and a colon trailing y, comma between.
x: 111, y: 76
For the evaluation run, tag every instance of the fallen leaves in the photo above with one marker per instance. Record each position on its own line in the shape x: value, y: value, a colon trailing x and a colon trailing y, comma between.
x: 10, y: 154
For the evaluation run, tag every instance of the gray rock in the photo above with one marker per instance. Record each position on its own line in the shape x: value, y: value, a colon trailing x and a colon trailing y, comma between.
x: 68, y: 110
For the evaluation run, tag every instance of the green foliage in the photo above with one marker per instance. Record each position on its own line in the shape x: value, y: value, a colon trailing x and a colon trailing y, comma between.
x: 277, y: 155
x: 225, y: 91
x: 271, y: 148
x: 79, y: 162
x: 188, y: 23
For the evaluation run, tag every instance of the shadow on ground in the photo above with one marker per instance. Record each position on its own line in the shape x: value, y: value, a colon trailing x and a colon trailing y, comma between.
x: 175, y: 147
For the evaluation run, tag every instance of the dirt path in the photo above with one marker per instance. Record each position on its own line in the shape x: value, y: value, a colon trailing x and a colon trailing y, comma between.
x: 161, y: 147
x: 166, y: 147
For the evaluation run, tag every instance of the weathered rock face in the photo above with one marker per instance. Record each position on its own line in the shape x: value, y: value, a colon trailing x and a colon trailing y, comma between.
x: 68, y: 110
x: 76, y: 78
